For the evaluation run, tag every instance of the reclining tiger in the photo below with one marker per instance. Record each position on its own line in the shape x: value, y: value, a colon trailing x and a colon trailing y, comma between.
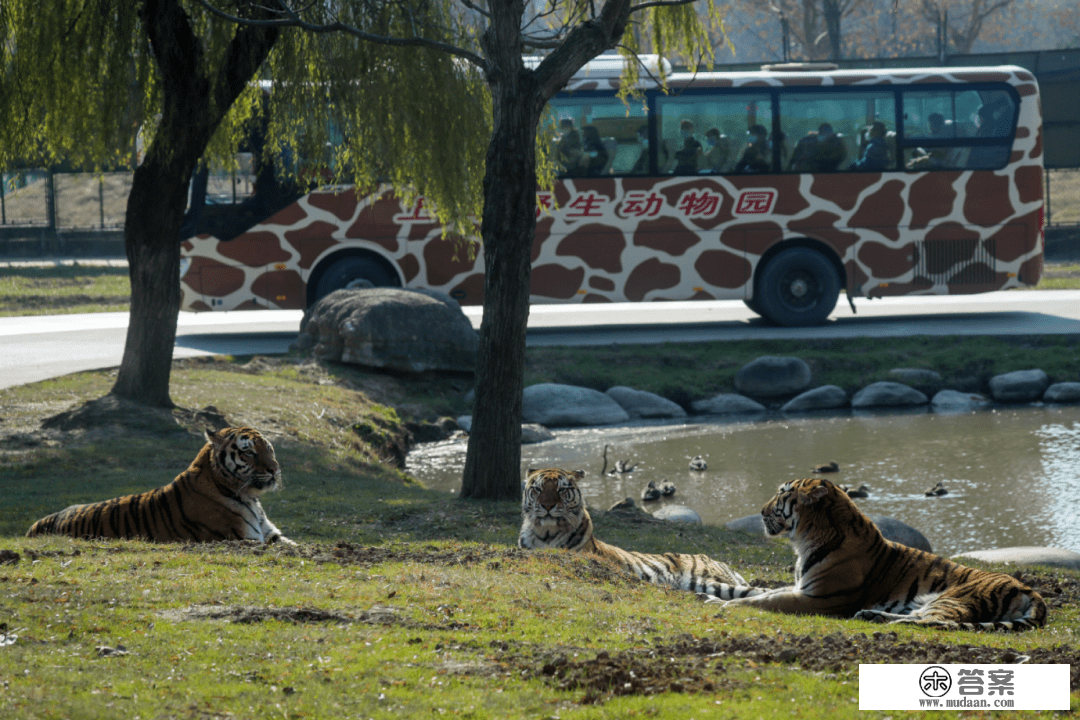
x: 554, y: 515
x: 846, y: 568
x: 216, y: 498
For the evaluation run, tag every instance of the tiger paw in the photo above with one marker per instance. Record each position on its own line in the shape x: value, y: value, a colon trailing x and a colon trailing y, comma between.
x: 711, y: 599
x: 873, y: 616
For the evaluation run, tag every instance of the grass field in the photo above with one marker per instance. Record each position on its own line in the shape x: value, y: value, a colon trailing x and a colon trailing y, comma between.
x: 399, y: 601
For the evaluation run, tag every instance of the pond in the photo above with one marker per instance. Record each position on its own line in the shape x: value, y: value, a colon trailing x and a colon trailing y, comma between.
x: 1013, y: 474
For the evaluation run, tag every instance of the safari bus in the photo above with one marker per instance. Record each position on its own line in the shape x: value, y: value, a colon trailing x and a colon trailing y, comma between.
x: 778, y: 187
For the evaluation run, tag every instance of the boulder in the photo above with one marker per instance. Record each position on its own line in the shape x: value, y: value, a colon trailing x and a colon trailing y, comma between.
x: 826, y: 397
x: 726, y: 404
x: 927, y: 382
x: 956, y: 401
x: 1021, y: 386
x: 888, y: 394
x: 554, y: 405
x: 641, y: 404
x: 901, y: 533
x: 770, y: 376
x: 677, y: 513
x: 1049, y: 556
x: 1063, y: 392
x: 390, y: 328
x: 530, y: 432
x: 750, y: 523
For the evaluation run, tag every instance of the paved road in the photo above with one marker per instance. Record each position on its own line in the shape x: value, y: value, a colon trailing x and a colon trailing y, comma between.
x: 41, y: 347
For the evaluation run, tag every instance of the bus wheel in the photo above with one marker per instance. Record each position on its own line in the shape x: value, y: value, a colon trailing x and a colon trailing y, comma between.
x: 347, y: 269
x: 798, y: 287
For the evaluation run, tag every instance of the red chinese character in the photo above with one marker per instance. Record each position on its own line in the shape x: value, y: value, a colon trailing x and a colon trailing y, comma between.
x: 639, y: 204
x: 419, y: 214
x: 699, y: 203
x: 543, y: 202
x: 753, y: 202
x: 588, y: 205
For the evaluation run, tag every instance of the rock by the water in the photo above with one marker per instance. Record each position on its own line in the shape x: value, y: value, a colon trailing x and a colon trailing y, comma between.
x: 391, y: 328
x: 530, y: 432
x: 925, y: 381
x: 749, y: 523
x: 770, y: 376
x: 956, y: 401
x: 725, y: 404
x: 888, y: 394
x: 642, y: 404
x: 677, y: 513
x: 1025, y: 555
x: 1063, y: 392
x: 554, y: 405
x: 1020, y: 386
x: 901, y: 533
x: 826, y: 397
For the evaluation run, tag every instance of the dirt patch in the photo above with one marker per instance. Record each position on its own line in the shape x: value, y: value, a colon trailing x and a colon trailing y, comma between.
x: 247, y: 614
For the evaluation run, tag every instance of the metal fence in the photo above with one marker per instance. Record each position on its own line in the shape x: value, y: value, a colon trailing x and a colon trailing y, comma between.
x: 89, y: 201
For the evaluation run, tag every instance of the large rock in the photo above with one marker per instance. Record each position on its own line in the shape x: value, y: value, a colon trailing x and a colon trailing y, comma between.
x: 554, y: 405
x: 678, y: 513
x: 1019, y: 387
x: 1063, y: 392
x: 770, y: 376
x: 530, y: 432
x: 1049, y: 556
x: 826, y: 397
x: 888, y: 394
x: 726, y: 404
x: 956, y: 401
x: 925, y: 381
x: 390, y: 328
x: 641, y: 404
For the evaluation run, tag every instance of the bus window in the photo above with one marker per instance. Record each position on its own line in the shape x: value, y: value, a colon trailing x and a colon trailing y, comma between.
x: 832, y: 131
x: 706, y: 134
x: 600, y: 136
x: 951, y: 129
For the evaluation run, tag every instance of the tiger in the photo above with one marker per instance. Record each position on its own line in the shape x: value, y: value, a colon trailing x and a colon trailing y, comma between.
x: 216, y: 498
x: 553, y: 515
x: 846, y: 568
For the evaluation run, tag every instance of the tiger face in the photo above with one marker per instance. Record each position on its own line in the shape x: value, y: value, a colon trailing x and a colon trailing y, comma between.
x: 781, y: 514
x: 245, y: 459
x: 553, y: 512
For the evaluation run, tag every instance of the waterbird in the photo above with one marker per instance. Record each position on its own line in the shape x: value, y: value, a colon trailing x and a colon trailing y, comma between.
x: 937, y: 491
x: 698, y: 463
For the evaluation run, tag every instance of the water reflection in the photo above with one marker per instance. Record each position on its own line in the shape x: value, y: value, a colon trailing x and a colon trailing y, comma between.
x: 1011, y: 473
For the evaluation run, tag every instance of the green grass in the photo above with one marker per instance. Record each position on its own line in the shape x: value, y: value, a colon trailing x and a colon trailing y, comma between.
x: 52, y: 290
x: 399, y: 602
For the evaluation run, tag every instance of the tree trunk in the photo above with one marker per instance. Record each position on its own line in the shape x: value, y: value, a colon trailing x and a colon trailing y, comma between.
x: 194, y: 103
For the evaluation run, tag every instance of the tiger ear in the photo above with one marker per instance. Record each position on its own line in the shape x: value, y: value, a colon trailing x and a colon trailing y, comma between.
x: 529, y: 472
x: 208, y: 434
x: 578, y: 473
x: 813, y: 495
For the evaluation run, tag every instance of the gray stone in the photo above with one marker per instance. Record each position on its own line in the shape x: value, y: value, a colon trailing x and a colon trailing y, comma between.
x: 677, y: 513
x: 956, y: 401
x: 1019, y: 387
x: 530, y: 432
x: 771, y: 376
x: 641, y: 404
x: 1063, y: 392
x: 554, y: 405
x: 925, y: 381
x: 1027, y: 555
x: 888, y: 394
x: 391, y: 328
x: 901, y: 533
x: 826, y: 397
x: 750, y: 523
x: 726, y: 404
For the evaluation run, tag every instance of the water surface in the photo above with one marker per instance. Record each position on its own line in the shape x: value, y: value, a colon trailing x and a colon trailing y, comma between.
x: 1013, y: 474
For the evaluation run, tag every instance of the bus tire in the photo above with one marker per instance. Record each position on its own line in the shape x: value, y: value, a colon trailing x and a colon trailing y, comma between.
x: 348, y: 269
x: 798, y: 287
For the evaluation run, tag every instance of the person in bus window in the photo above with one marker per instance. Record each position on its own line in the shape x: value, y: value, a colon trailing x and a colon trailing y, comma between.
x: 594, y: 155
x: 935, y: 157
x: 876, y: 154
x: 829, y: 151
x: 570, y: 146
x: 715, y: 157
x: 642, y: 165
x: 755, y: 158
x: 686, y: 157
x: 993, y: 122
x: 802, y: 157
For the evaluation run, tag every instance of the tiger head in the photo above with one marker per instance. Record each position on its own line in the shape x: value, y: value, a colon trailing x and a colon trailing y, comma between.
x: 553, y: 512
x: 244, y: 460
x: 800, y: 505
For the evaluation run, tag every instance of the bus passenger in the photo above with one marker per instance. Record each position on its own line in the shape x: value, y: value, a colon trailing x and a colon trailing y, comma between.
x: 715, y: 159
x: 876, y: 154
x: 594, y: 155
x: 569, y: 148
x: 686, y: 157
x: 802, y: 157
x: 829, y: 152
x: 935, y: 157
x: 755, y: 158
x: 642, y: 165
